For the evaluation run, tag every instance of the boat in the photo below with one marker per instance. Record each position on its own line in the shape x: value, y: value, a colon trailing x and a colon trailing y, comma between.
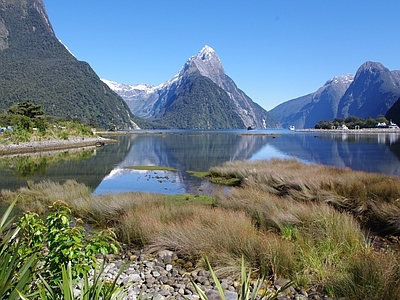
x: 393, y: 125
x: 292, y: 127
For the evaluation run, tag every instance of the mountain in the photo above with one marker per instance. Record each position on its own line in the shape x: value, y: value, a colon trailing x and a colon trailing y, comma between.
x: 394, y: 112
x: 374, y: 90
x: 308, y: 110
x: 370, y: 93
x: 36, y: 67
x: 201, y: 95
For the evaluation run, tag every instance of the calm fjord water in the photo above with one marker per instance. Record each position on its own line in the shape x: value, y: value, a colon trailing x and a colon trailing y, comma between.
x: 105, y: 170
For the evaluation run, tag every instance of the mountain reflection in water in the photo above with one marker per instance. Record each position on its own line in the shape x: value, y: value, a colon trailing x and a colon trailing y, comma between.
x: 106, y: 169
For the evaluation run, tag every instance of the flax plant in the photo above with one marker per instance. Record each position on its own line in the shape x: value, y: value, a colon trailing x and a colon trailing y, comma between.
x: 248, y: 290
x: 15, y: 274
x: 69, y: 289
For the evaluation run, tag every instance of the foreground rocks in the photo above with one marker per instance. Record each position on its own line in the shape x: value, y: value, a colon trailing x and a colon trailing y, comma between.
x: 163, y: 276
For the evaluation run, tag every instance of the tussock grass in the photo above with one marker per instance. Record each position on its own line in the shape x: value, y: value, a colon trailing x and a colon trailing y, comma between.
x: 289, y: 220
x: 374, y: 199
x: 370, y: 276
x: 39, y: 196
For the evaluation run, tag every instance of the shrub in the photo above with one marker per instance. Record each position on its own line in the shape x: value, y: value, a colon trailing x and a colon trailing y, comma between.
x: 60, y: 240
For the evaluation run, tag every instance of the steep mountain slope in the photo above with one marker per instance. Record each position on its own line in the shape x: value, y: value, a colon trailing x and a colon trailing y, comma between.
x: 374, y: 90
x: 394, y: 112
x: 371, y: 92
x: 191, y: 109
x: 36, y: 67
x: 153, y: 102
x: 306, y: 111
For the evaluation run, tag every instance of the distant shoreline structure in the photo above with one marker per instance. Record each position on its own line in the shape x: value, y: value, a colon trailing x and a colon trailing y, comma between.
x: 355, y: 131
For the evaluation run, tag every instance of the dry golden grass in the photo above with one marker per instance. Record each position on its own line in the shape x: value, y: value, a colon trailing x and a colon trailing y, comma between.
x: 39, y: 196
x: 373, y: 198
x: 288, y: 219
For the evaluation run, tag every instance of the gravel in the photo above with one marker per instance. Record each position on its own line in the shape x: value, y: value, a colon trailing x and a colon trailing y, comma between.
x: 161, y: 276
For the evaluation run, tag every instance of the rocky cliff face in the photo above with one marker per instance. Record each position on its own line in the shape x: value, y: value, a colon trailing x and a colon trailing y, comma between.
x: 151, y: 102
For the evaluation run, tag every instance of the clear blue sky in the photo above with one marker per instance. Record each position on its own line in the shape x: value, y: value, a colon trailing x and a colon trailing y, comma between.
x: 274, y: 50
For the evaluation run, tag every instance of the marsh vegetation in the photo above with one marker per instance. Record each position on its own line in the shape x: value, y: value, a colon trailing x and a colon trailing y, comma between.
x: 312, y: 224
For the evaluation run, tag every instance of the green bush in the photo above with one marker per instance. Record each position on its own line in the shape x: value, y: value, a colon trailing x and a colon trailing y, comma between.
x: 59, y: 240
x: 35, y: 254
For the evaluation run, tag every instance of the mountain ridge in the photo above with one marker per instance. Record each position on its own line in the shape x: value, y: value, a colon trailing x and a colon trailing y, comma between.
x: 370, y: 93
x: 151, y: 102
x: 306, y: 111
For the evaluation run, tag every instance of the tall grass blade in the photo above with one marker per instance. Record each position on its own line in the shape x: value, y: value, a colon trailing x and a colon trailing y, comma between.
x: 216, y: 280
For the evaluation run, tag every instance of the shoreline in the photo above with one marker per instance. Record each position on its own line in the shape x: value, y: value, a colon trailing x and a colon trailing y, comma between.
x: 354, y: 131
x: 53, y: 144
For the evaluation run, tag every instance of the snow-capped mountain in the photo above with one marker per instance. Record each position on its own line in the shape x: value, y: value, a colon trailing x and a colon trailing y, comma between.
x: 308, y: 110
x: 154, y: 102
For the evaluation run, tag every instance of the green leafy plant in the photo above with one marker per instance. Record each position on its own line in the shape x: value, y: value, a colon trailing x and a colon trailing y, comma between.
x: 60, y: 240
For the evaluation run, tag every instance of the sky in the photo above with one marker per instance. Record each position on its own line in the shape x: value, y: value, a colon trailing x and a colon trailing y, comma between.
x: 274, y: 50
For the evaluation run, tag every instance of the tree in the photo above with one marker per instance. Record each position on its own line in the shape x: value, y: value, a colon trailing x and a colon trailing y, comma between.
x: 27, y: 109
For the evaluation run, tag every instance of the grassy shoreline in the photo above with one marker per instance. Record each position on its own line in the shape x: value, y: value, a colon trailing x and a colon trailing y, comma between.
x: 308, y: 223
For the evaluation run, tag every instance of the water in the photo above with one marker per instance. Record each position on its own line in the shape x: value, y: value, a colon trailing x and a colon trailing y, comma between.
x: 105, y: 170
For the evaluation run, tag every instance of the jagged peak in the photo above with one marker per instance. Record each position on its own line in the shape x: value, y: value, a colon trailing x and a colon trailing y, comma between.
x: 206, y: 62
x: 206, y: 52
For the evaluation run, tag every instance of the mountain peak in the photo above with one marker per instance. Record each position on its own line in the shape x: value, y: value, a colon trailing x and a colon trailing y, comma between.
x: 372, y: 67
x: 206, y: 52
x: 207, y: 63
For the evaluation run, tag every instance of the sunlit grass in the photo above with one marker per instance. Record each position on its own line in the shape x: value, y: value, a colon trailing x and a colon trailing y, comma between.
x: 307, y: 223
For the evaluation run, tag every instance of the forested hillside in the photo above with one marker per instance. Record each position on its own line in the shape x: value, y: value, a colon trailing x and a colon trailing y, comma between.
x: 35, y: 67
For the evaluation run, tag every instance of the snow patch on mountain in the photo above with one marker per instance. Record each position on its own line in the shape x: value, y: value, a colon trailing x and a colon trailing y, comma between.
x: 344, y: 79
